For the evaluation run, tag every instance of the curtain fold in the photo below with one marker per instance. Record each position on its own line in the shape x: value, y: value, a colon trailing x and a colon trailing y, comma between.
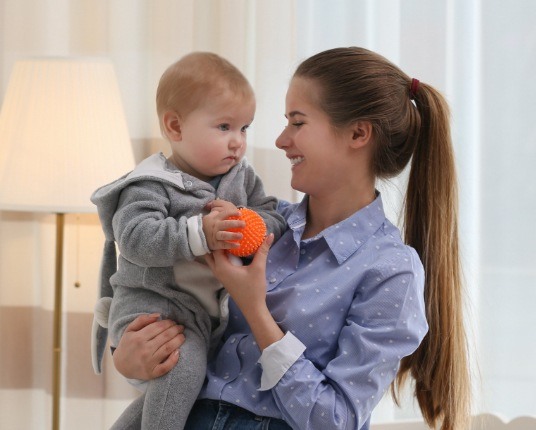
x: 481, y: 55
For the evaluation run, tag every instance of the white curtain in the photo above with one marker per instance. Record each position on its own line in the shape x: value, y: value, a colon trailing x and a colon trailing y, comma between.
x: 481, y: 54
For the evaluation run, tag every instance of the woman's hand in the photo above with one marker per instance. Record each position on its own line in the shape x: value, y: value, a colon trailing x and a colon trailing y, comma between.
x: 149, y: 348
x: 247, y: 287
x: 245, y: 284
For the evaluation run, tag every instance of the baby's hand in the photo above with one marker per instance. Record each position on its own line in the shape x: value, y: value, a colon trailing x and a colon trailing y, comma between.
x: 220, y: 205
x: 216, y: 224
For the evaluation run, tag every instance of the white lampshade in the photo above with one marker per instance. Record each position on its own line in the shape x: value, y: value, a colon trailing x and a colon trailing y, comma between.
x: 62, y: 134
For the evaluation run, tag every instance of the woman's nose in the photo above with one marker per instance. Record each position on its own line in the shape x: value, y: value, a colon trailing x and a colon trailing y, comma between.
x: 282, y: 140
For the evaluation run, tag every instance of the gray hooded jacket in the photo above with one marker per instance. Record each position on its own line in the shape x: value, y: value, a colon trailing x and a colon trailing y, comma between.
x: 153, y: 215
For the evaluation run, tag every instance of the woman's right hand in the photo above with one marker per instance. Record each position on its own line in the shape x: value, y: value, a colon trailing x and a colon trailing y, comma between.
x: 149, y: 348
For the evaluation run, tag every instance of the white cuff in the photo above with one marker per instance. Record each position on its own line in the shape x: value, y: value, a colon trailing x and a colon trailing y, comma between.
x: 277, y: 358
x: 198, y: 245
x: 139, y: 384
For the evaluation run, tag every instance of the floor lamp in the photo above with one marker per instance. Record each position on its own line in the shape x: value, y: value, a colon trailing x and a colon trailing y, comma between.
x: 62, y: 134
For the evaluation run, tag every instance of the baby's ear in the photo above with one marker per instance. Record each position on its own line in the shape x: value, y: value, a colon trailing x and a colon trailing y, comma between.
x: 172, y: 126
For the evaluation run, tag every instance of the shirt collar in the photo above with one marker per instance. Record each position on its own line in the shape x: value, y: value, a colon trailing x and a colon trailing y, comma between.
x: 347, y: 236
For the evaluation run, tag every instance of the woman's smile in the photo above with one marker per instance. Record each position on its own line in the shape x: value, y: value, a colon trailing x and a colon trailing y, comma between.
x: 294, y: 161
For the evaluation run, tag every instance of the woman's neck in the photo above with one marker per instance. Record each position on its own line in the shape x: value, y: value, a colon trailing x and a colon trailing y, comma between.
x: 323, y: 212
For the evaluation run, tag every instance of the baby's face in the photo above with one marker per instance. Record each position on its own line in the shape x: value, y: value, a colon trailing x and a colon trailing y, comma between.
x: 213, y: 137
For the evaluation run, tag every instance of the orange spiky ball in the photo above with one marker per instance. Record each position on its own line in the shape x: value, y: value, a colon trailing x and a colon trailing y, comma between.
x: 254, y: 232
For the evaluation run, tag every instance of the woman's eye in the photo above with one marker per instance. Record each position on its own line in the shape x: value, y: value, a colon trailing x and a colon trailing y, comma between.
x: 297, y: 124
x: 223, y: 127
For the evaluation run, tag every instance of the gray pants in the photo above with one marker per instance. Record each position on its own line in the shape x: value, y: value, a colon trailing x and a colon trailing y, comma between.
x: 167, y: 401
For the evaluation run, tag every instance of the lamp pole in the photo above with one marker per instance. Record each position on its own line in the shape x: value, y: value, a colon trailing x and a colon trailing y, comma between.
x: 58, y: 290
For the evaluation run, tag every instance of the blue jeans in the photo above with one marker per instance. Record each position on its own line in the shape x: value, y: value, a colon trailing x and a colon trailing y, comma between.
x: 218, y: 415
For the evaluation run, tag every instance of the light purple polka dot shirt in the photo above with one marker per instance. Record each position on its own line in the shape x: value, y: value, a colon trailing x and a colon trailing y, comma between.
x: 353, y: 298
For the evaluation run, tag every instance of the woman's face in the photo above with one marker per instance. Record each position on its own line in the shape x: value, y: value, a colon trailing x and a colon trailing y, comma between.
x: 317, y: 154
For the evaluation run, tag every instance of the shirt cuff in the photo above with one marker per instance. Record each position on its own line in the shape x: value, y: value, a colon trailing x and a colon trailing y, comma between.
x: 277, y: 358
x: 196, y: 237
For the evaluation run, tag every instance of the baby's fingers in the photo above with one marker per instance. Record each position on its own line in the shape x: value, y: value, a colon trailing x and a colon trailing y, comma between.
x: 222, y: 206
x: 230, y: 224
x: 229, y: 235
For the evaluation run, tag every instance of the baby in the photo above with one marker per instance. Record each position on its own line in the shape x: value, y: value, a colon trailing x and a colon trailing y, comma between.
x: 158, y: 217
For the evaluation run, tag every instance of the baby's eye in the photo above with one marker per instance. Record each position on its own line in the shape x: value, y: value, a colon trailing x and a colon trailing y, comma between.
x: 243, y: 129
x: 223, y: 127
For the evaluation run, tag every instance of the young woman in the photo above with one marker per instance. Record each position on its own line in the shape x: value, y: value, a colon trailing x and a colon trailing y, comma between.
x: 341, y: 307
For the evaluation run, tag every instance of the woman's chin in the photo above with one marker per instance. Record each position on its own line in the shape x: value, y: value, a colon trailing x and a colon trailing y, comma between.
x: 297, y: 185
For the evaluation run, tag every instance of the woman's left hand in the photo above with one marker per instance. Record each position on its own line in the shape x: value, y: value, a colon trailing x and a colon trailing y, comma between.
x: 247, y: 287
x: 245, y: 284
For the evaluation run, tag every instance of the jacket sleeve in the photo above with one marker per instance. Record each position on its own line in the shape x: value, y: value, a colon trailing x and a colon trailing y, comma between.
x: 145, y: 232
x: 265, y: 206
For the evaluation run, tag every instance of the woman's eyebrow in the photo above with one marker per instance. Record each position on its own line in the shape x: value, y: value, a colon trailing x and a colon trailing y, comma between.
x: 294, y: 113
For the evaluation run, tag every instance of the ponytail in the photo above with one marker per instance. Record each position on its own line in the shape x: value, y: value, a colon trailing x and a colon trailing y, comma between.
x: 440, y: 365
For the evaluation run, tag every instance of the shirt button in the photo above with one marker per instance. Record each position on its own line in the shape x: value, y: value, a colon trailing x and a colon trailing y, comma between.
x: 188, y: 183
x: 303, y: 251
x: 272, y: 280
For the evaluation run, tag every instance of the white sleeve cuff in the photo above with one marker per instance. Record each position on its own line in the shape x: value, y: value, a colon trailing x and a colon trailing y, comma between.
x: 196, y: 237
x: 277, y: 358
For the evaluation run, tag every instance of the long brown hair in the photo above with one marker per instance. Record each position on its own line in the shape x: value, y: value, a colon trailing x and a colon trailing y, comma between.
x: 410, y: 121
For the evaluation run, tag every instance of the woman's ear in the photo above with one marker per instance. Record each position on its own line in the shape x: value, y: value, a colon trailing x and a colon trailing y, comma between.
x: 361, y: 134
x: 172, y: 126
